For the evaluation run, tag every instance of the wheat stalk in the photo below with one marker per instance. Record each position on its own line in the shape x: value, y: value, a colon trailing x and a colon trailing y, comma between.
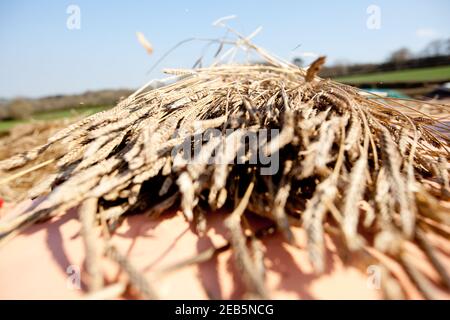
x: 339, y: 151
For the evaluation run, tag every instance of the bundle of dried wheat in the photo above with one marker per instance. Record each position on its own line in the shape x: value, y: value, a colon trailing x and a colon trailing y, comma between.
x: 270, y: 139
x: 21, y: 138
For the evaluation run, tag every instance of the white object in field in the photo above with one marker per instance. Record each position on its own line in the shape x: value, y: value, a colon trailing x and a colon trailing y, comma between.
x: 371, y: 93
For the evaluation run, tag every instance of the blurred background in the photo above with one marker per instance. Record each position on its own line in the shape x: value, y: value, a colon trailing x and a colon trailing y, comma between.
x: 64, y: 59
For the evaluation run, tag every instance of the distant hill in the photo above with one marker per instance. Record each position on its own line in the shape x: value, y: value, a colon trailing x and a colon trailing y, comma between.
x: 25, y: 107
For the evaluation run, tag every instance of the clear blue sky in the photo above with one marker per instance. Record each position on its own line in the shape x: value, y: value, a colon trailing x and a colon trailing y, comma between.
x: 39, y: 55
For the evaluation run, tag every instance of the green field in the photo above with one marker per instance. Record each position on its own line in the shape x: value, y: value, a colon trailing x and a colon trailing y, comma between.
x: 412, y: 75
x: 6, y: 125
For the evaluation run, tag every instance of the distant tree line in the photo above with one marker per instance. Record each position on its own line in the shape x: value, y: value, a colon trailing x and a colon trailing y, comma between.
x: 397, y: 64
x: 436, y: 53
